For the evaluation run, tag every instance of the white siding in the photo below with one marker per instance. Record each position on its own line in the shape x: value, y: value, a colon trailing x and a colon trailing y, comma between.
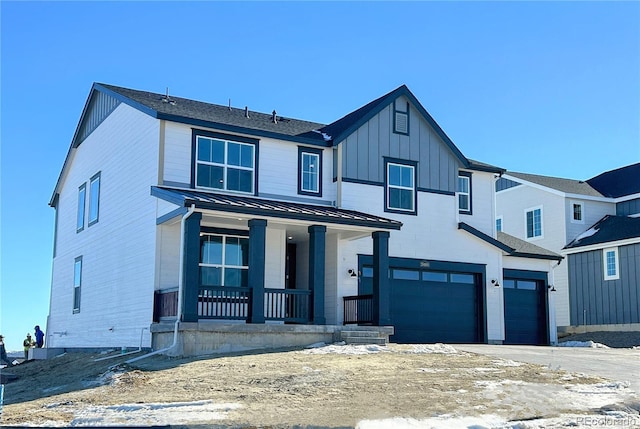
x: 433, y: 234
x: 593, y: 212
x: 118, y: 269
x: 168, y: 255
x: 177, y: 153
x: 483, y: 204
x: 276, y: 245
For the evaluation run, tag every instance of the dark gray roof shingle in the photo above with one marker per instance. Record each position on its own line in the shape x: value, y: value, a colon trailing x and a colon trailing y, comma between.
x: 185, y: 110
x: 569, y: 186
x: 608, y: 229
x: 619, y: 182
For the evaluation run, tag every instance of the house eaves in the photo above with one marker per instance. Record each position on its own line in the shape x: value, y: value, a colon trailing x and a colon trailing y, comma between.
x: 511, y: 245
x: 348, y: 124
x: 567, y: 188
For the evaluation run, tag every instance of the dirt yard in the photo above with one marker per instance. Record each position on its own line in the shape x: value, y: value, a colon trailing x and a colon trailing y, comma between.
x: 335, y: 386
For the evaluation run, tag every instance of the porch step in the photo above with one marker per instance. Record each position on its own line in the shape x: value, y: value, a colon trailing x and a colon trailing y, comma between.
x: 363, y: 337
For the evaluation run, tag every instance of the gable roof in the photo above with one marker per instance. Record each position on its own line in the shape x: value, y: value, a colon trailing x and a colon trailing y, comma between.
x: 271, y: 208
x: 192, y: 112
x: 619, y: 182
x: 608, y: 229
x: 569, y: 186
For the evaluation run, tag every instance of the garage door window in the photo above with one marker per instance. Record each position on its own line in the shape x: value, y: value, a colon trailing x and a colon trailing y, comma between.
x: 520, y: 284
x: 433, y: 276
x: 406, y: 275
x: 462, y: 278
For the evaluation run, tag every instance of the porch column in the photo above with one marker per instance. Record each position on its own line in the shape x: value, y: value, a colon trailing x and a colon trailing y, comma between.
x: 191, y: 268
x: 316, y: 271
x: 257, y: 245
x: 381, y: 289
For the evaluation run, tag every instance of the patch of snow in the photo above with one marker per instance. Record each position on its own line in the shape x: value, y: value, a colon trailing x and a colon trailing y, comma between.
x: 316, y: 345
x: 587, y: 233
x: 590, y: 344
x: 506, y: 362
x: 325, y: 136
x: 345, y: 349
x: 153, y: 414
x: 434, y: 348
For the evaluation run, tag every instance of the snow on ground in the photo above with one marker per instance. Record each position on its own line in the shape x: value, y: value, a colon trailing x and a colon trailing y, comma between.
x: 590, y: 344
x: 350, y: 349
x: 150, y: 414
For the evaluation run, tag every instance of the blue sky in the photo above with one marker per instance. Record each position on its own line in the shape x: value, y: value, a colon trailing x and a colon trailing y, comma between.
x: 549, y: 88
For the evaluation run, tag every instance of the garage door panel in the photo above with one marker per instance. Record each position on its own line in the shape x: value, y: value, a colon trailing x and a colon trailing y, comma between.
x: 524, y: 312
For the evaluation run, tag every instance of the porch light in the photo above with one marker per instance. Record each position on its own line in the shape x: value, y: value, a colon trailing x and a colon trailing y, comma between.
x: 495, y: 283
x: 352, y: 272
x: 551, y: 288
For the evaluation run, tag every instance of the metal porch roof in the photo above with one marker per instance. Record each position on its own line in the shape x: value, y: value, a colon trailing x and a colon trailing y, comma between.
x: 271, y: 208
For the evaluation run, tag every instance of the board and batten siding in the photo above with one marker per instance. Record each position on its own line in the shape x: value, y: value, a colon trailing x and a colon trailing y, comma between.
x: 364, y: 151
x: 628, y: 208
x: 118, y: 252
x: 595, y: 301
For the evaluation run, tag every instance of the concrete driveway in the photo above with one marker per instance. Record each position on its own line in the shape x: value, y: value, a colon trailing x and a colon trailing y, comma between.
x: 614, y: 364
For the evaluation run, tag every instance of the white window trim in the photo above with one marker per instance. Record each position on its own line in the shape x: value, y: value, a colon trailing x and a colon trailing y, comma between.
x: 616, y: 276
x: 94, y: 205
x: 501, y: 219
x: 536, y: 237
x: 225, y: 165
x: 571, y: 204
x: 82, y: 207
x: 412, y: 189
x: 468, y: 194
x: 316, y: 172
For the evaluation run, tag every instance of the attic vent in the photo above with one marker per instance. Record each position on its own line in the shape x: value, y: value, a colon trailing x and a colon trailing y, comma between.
x: 167, y: 99
x: 402, y: 123
x: 274, y: 117
x: 246, y: 111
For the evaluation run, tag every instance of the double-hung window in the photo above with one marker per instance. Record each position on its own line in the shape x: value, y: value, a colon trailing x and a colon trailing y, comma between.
x: 309, y: 171
x: 400, y: 192
x: 77, y: 283
x: 610, y: 259
x: 499, y: 224
x: 82, y: 194
x: 94, y: 199
x: 224, y: 260
x: 577, y: 212
x: 464, y: 192
x: 533, y: 221
x: 224, y: 164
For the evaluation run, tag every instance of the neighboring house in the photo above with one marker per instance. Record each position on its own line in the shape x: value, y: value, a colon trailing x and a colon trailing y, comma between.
x: 173, y: 208
x: 592, y: 222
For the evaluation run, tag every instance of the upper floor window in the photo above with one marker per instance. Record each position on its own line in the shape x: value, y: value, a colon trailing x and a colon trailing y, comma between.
x: 401, y: 118
x: 224, y: 164
x: 464, y: 192
x: 533, y: 221
x: 82, y: 196
x: 94, y: 199
x: 577, y: 212
x: 309, y: 171
x: 224, y: 260
x: 610, y: 259
x: 400, y: 189
x: 499, y: 224
x: 77, y: 283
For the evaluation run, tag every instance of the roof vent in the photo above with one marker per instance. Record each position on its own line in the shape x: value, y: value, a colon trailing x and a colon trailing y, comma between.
x: 229, y: 105
x: 246, y: 111
x: 274, y: 117
x: 167, y: 99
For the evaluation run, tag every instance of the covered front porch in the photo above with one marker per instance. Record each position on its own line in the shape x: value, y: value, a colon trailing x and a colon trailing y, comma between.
x: 245, y: 260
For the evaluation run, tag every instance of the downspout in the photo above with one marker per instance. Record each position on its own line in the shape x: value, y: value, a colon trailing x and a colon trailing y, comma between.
x: 189, y: 212
x: 553, y: 335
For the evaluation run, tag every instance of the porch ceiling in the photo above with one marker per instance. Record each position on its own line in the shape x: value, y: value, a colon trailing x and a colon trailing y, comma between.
x: 253, y: 206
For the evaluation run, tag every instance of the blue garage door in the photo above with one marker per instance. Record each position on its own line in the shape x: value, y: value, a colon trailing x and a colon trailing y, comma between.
x: 524, y: 311
x: 432, y: 306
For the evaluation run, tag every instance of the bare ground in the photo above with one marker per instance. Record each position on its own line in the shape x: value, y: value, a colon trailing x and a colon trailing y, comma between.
x: 289, y: 388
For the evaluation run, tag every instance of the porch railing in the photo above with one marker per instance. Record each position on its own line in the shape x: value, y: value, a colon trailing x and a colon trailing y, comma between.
x: 222, y: 302
x: 233, y: 303
x: 358, y: 309
x: 287, y: 305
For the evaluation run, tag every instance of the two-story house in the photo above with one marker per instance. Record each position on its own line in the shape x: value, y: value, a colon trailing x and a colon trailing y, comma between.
x: 242, y: 223
x: 595, y: 224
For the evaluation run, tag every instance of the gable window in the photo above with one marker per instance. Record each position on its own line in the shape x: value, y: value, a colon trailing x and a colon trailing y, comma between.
x: 94, y: 199
x: 577, y: 212
x: 309, y: 171
x: 77, y: 283
x: 499, y: 224
x: 464, y: 192
x: 400, y: 189
x: 610, y: 259
x: 224, y: 260
x: 401, y: 118
x: 224, y: 164
x: 82, y: 194
x: 533, y: 221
